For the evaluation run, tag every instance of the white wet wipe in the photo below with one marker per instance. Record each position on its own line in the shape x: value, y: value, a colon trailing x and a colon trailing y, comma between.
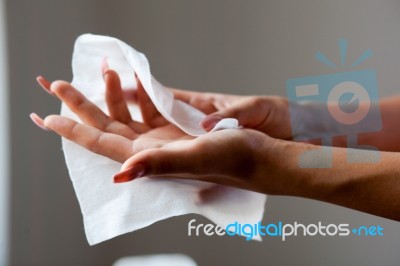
x: 112, y: 209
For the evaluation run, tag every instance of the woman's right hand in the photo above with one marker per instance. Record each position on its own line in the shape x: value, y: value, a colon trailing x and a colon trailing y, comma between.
x: 267, y: 114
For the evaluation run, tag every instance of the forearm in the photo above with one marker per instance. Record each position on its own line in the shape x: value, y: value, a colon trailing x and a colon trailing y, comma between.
x: 380, y: 129
x: 386, y: 139
x: 369, y: 187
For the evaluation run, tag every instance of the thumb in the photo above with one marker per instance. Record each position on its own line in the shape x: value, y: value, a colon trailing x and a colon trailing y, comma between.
x: 159, y: 162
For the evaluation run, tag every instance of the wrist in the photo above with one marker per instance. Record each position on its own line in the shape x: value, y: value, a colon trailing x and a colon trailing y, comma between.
x: 279, y: 172
x: 309, y: 120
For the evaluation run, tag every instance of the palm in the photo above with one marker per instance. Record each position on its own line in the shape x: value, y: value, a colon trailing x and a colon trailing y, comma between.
x: 158, y: 137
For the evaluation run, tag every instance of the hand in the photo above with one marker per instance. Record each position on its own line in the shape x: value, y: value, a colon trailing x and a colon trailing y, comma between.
x: 243, y: 158
x: 115, y: 136
x: 267, y: 114
x: 228, y: 157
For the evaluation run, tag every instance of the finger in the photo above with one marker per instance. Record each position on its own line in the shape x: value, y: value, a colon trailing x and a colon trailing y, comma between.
x: 191, y: 97
x: 45, y: 84
x: 104, y: 65
x: 181, y: 163
x: 116, y: 103
x: 203, y: 101
x: 182, y: 159
x: 113, y: 146
x: 115, y: 99
x: 150, y: 114
x: 88, y: 112
x: 38, y: 121
x: 184, y: 96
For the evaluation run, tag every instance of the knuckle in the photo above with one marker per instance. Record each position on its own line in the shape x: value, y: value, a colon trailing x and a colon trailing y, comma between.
x: 257, y: 102
x: 95, y: 143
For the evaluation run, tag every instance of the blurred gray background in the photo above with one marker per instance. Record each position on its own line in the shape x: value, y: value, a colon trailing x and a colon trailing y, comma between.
x: 242, y: 47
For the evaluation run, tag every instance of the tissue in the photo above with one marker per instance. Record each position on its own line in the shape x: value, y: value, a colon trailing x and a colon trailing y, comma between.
x: 110, y: 210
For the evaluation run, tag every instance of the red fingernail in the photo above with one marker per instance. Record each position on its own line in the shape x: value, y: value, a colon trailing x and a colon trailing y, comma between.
x: 38, y: 121
x: 45, y: 84
x: 130, y: 174
x: 209, y: 122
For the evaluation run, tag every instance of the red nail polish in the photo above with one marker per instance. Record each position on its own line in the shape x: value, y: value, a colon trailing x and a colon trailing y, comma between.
x: 130, y: 174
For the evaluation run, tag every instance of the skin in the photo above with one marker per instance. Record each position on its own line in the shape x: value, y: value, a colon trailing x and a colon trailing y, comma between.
x: 261, y: 157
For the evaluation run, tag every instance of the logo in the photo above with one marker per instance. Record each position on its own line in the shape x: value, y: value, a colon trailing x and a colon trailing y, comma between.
x: 345, y: 103
x: 283, y: 230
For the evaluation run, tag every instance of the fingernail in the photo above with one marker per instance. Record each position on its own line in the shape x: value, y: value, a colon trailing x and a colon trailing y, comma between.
x: 130, y: 174
x: 104, y: 65
x: 210, y: 121
x: 38, y: 121
x: 45, y: 84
